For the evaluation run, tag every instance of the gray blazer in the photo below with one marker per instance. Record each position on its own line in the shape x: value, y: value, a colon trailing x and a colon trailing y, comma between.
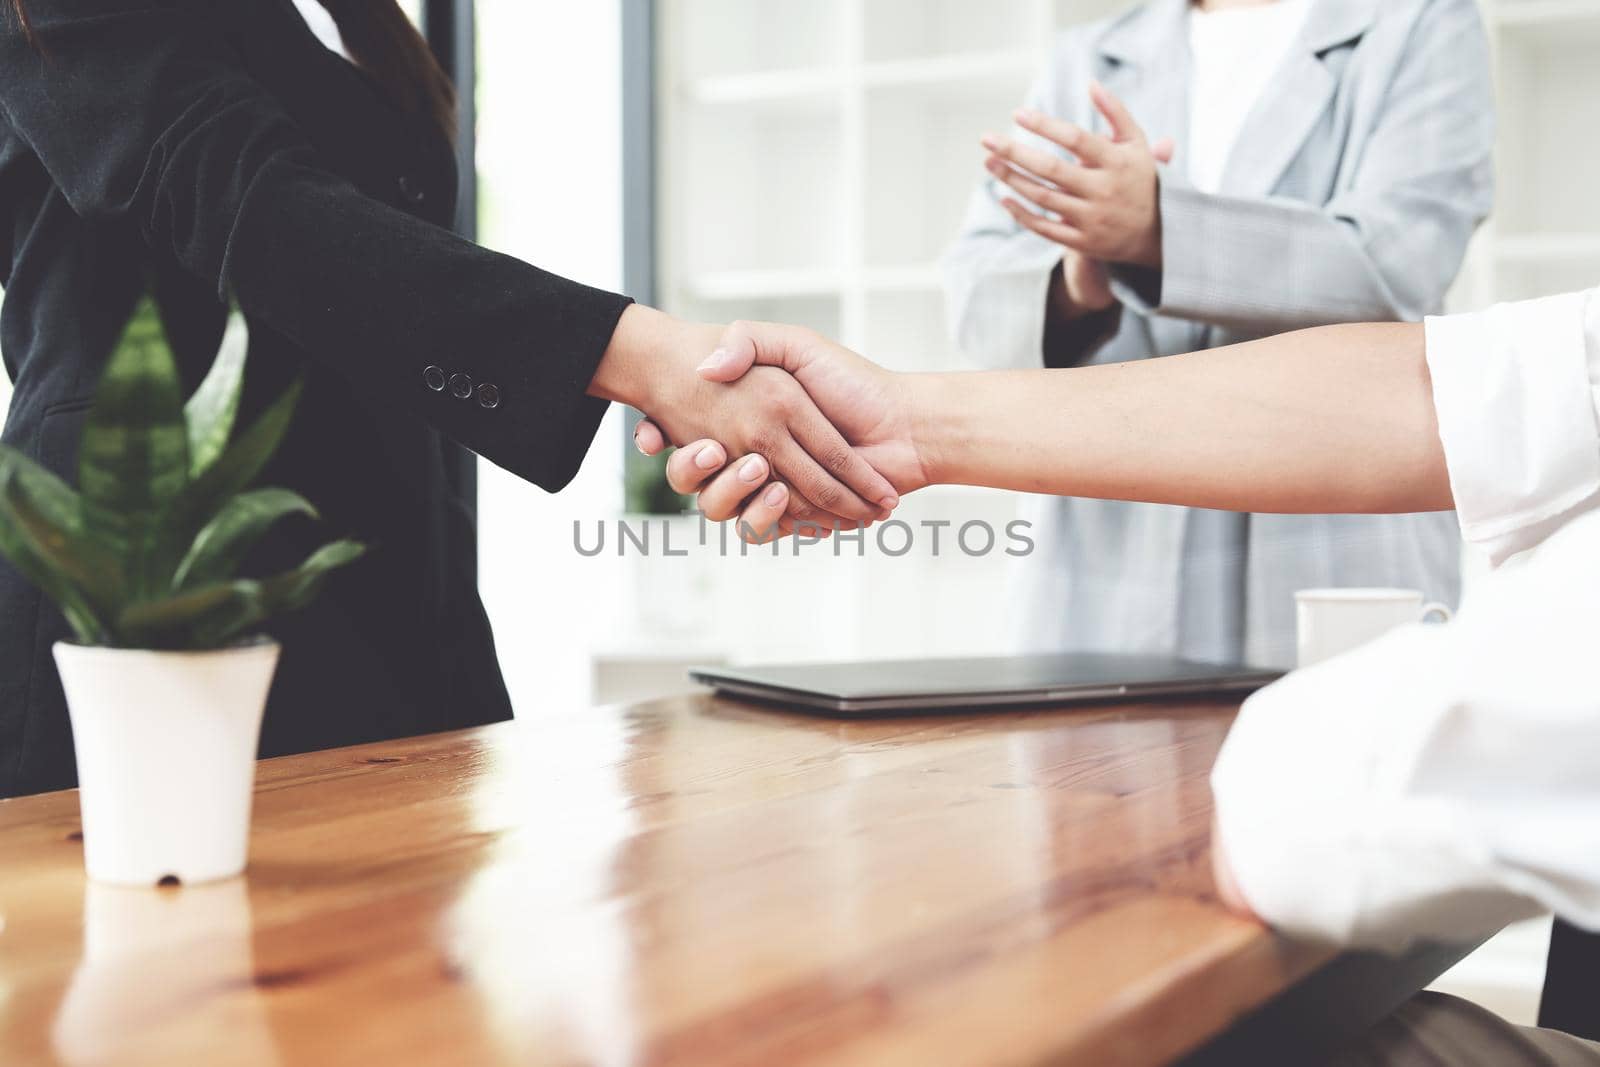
x: 1350, y: 196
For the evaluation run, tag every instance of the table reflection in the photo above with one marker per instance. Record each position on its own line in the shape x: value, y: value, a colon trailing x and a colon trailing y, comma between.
x: 534, y: 931
x: 630, y: 863
x: 156, y: 963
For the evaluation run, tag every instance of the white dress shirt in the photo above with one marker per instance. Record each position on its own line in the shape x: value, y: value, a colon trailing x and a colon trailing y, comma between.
x: 322, y: 25
x: 1233, y: 53
x: 1445, y: 780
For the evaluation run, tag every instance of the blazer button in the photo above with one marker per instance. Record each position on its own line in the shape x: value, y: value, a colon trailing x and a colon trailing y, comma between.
x: 460, y: 386
x: 433, y: 378
x: 488, y: 396
x: 411, y: 190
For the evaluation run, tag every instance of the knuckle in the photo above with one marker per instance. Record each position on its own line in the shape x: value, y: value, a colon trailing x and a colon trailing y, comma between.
x: 762, y: 439
x: 827, y: 497
x: 837, y: 459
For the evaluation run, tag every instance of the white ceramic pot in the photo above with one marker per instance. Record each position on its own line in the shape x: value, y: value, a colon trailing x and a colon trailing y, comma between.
x: 166, y: 747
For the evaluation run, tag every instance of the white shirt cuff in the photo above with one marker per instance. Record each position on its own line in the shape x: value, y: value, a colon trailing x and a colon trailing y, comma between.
x: 1515, y: 398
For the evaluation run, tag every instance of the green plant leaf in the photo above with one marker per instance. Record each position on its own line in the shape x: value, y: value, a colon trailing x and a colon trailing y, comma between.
x: 235, y: 469
x: 211, y: 411
x: 135, y: 453
x: 221, y: 546
x: 51, y: 512
x: 283, y: 593
x: 175, y: 621
x: 211, y: 616
x: 183, y: 608
x: 293, y: 590
x: 41, y: 533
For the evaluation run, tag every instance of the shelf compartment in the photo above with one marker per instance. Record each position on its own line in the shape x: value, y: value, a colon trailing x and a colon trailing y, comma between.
x: 905, y: 278
x: 1546, y: 21
x: 900, y: 29
x: 708, y: 38
x: 1077, y: 12
x: 923, y: 165
x: 1528, y: 279
x: 791, y: 91
x: 955, y: 74
x: 1547, y: 161
x: 759, y: 195
x: 820, y: 313
x: 819, y: 87
x: 800, y: 283
x: 1536, y: 248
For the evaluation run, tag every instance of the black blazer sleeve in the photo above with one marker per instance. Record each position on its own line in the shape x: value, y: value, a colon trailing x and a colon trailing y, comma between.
x: 141, y: 111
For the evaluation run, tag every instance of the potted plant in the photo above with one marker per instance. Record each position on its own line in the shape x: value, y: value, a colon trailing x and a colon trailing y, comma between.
x: 167, y: 680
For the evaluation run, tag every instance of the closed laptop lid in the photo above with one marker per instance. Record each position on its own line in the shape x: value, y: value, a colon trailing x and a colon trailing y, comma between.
x: 945, y: 682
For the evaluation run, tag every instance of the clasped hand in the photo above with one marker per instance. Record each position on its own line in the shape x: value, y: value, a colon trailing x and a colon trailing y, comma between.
x: 769, y: 411
x: 864, y: 403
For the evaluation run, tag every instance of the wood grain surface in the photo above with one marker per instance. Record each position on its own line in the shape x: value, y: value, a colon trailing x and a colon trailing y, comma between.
x: 694, y: 881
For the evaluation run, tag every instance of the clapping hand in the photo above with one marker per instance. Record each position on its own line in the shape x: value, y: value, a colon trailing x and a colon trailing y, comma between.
x: 1103, y: 208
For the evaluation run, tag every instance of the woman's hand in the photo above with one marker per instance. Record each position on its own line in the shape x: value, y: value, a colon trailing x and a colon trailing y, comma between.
x: 1082, y: 287
x: 1106, y: 206
x: 652, y: 365
x: 866, y: 403
x: 740, y: 491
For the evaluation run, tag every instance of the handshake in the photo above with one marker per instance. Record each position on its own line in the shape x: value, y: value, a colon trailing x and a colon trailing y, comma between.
x: 779, y: 427
x: 782, y: 428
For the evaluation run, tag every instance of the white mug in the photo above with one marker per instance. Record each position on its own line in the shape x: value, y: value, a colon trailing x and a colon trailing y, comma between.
x: 1331, y: 621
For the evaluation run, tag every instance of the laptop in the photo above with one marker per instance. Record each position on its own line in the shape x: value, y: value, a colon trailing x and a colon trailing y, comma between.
x: 900, y: 686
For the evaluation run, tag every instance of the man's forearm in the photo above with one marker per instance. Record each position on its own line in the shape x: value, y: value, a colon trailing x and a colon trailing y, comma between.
x: 1335, y: 419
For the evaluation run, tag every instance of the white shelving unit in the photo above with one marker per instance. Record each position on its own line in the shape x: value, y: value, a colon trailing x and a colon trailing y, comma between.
x: 816, y: 158
x: 1545, y: 234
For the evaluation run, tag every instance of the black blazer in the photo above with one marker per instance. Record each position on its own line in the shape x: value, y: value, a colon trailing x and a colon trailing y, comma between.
x: 218, y: 145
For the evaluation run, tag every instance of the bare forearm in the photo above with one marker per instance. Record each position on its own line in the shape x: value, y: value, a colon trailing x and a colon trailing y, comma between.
x: 1335, y: 419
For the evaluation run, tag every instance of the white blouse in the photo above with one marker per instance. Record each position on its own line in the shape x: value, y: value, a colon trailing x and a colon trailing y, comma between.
x: 1233, y: 53
x: 1445, y: 780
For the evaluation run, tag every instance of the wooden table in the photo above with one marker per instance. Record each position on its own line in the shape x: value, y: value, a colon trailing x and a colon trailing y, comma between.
x: 693, y: 881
